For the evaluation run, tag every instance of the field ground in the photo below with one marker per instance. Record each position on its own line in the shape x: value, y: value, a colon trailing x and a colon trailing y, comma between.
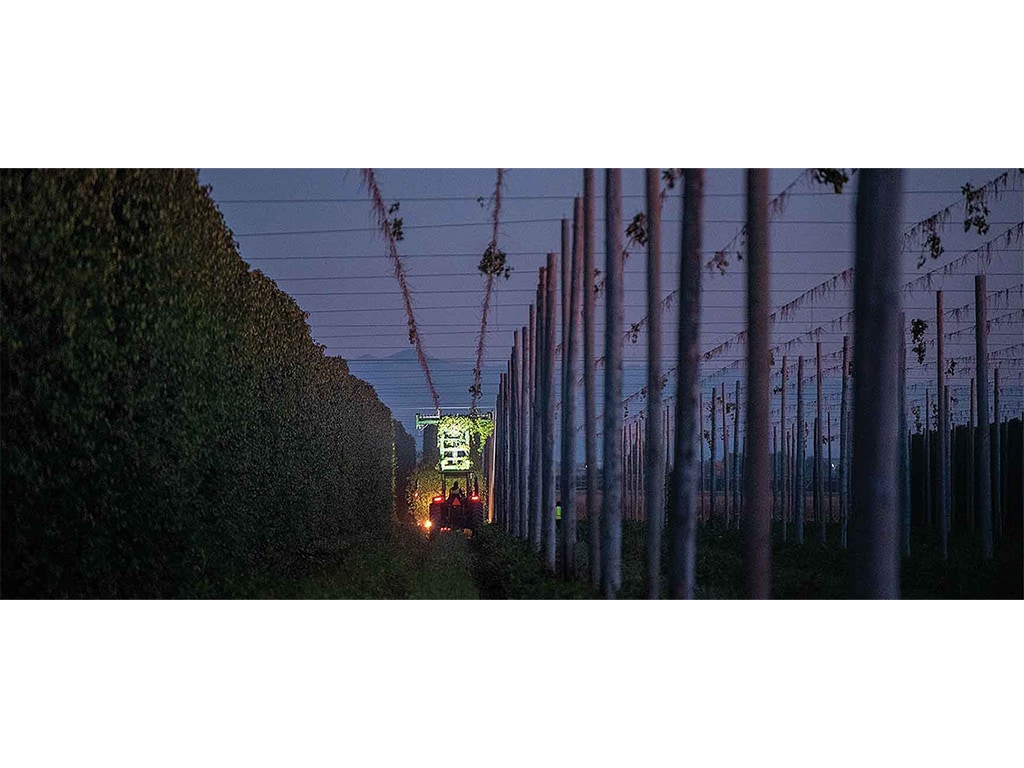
x: 493, y: 565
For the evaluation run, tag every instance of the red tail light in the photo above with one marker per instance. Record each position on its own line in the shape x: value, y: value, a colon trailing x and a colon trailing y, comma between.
x: 474, y: 497
x: 439, y: 498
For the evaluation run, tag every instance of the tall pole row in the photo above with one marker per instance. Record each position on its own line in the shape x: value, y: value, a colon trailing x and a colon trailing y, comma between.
x: 589, y: 390
x: 654, y: 466
x: 611, y: 514
x: 681, y: 523
x: 875, y: 563
x: 757, y: 513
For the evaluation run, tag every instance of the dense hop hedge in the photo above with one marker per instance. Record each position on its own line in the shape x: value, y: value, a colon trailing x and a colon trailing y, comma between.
x: 169, y: 428
x: 405, y: 465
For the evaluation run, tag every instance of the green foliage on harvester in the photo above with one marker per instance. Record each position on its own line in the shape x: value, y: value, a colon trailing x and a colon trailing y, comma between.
x: 169, y: 428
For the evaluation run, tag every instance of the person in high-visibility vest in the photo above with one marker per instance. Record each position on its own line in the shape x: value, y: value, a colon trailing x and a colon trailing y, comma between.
x: 558, y: 511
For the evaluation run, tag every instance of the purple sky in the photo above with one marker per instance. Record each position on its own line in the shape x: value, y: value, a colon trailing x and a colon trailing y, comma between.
x: 355, y: 306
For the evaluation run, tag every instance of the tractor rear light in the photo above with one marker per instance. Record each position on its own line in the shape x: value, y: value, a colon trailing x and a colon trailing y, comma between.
x: 427, y: 524
x: 474, y: 497
x: 438, y: 498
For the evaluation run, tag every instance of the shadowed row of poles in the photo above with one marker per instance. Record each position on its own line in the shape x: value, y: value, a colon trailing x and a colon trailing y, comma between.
x: 825, y: 501
x: 874, y: 473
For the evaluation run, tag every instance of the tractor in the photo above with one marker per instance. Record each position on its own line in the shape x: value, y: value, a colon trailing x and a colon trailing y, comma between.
x: 462, y: 508
x: 458, y: 511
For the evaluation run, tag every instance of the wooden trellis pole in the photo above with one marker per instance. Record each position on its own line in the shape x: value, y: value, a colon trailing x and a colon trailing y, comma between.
x: 819, y: 507
x: 735, y: 477
x: 756, y: 519
x: 570, y: 345
x: 951, y: 496
x: 941, y: 433
x: 589, y: 386
x: 997, y: 459
x: 548, y: 542
x: 714, y: 451
x: 971, y: 479
x: 515, y: 384
x: 681, y: 524
x: 611, y: 517
x: 524, y: 437
x: 799, y: 497
x: 725, y: 463
x: 983, y: 447
x: 700, y: 435
x: 536, y: 459
x: 828, y: 468
x: 654, y: 466
x: 904, y: 446
x: 784, y: 486
x: 928, y: 460
x: 844, y: 447
x: 875, y: 563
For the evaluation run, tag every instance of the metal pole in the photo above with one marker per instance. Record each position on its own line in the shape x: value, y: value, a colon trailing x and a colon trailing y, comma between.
x: 570, y: 346
x: 681, y: 524
x: 875, y: 562
x: 654, y: 466
x: 757, y: 513
x: 801, y: 447
x: 611, y: 517
x: 589, y: 390
x: 943, y: 450
x: 548, y: 543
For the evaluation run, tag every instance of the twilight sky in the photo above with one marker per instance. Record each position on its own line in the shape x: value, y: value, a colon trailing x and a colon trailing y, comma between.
x: 322, y: 248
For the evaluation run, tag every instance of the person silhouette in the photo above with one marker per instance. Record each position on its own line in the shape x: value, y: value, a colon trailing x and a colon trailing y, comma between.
x: 456, y: 494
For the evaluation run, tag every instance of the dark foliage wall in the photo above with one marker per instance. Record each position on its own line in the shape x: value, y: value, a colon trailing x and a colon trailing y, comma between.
x: 405, y: 464
x: 169, y: 428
